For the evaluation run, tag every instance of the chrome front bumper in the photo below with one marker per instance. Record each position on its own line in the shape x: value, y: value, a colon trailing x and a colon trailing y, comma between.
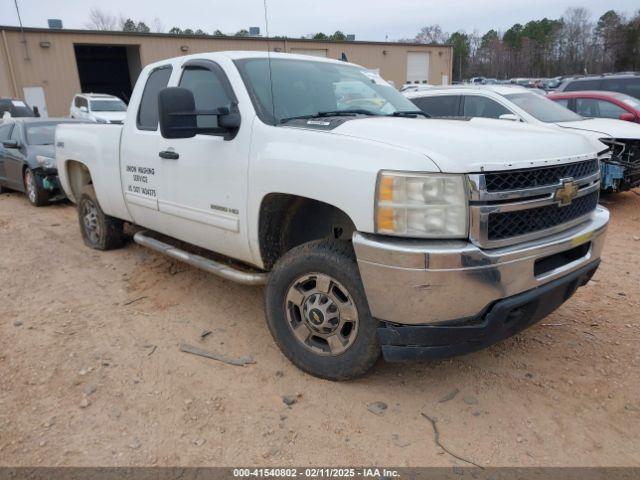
x: 433, y: 282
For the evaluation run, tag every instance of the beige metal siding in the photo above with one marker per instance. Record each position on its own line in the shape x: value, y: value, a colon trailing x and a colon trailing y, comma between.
x: 54, y: 68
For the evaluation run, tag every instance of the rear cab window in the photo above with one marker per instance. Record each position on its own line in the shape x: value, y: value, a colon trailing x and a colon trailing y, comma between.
x: 147, y: 118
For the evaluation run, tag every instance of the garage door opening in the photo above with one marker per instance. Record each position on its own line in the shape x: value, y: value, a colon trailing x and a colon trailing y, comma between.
x: 110, y: 69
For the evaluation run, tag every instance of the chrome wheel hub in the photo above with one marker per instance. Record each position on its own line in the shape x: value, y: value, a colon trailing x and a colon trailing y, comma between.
x: 321, y: 314
x: 90, y: 221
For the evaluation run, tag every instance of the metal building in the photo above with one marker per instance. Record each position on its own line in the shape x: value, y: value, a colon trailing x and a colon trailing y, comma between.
x: 47, y: 67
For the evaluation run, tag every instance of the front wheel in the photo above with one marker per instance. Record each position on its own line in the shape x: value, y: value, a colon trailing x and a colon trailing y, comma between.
x: 36, y: 194
x: 318, y: 313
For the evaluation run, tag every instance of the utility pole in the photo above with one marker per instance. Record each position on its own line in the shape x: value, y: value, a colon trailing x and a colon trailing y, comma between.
x: 24, y: 38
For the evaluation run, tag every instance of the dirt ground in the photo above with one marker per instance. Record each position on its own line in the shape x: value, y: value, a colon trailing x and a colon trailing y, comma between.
x: 91, y: 372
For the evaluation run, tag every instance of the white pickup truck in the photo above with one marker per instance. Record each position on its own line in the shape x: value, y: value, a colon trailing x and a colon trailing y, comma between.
x: 374, y: 228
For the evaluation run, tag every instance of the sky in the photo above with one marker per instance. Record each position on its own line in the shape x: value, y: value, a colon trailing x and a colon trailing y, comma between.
x: 367, y: 19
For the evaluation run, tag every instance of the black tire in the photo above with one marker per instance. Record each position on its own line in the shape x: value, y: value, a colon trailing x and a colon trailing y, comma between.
x: 99, y: 231
x: 36, y: 194
x: 326, y: 258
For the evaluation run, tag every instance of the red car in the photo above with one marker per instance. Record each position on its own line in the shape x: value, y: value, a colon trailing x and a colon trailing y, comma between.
x: 600, y: 104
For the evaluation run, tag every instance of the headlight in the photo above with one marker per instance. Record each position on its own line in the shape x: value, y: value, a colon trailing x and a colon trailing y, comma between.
x: 46, y: 162
x: 421, y: 205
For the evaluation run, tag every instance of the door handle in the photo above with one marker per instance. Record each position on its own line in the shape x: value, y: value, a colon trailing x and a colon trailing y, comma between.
x: 169, y: 155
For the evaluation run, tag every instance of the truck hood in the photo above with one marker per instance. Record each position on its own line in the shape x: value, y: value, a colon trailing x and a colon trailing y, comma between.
x: 479, y: 144
x: 607, y: 127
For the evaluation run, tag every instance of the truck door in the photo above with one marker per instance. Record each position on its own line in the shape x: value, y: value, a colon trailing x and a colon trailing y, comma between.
x: 139, y: 162
x: 204, y: 178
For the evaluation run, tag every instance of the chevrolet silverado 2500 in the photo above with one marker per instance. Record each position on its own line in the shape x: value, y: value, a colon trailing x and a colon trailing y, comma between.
x: 374, y: 228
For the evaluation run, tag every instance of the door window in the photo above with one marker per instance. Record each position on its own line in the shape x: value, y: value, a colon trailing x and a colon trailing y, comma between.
x: 610, y: 110
x: 148, y: 110
x: 440, y: 106
x: 591, y: 107
x: 579, y: 85
x: 476, y: 106
x: 630, y: 86
x: 209, y: 93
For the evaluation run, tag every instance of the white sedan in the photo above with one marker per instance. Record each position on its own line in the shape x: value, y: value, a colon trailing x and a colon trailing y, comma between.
x: 507, y: 102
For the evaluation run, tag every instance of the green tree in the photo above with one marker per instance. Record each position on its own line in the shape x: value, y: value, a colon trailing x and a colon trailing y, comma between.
x: 320, y: 36
x: 176, y: 31
x: 187, y: 31
x: 218, y: 33
x: 489, y: 38
x: 242, y: 33
x: 129, y: 26
x: 461, y: 49
x: 338, y: 36
x: 142, y: 27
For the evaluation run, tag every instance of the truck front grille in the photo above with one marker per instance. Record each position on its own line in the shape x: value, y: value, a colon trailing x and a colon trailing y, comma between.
x: 539, y: 177
x: 513, y: 206
x: 521, y: 222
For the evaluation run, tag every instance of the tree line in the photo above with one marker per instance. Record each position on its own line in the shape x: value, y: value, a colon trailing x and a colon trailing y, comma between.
x: 102, y: 20
x: 572, y: 44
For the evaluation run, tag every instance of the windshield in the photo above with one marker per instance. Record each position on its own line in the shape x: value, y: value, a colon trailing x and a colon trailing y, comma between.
x: 542, y: 108
x: 41, y: 133
x: 108, y: 106
x: 307, y: 88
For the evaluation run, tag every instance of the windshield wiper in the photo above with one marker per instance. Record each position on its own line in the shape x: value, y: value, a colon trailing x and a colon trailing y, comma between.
x: 331, y: 113
x: 409, y: 114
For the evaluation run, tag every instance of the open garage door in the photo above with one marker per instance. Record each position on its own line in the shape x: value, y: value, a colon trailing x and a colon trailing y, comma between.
x: 111, y: 69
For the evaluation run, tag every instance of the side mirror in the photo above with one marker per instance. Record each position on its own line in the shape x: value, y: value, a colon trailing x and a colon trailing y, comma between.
x: 11, y: 144
x: 36, y: 111
x: 179, y: 117
x: 229, y: 121
x: 510, y: 116
x: 84, y: 109
x: 177, y: 113
x: 628, y: 117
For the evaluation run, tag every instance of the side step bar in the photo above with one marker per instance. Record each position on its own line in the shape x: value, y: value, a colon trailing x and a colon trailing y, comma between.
x: 211, y: 266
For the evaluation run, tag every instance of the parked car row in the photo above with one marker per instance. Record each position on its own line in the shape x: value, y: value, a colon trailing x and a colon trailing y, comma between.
x: 619, y: 140
x: 27, y: 151
x: 626, y: 83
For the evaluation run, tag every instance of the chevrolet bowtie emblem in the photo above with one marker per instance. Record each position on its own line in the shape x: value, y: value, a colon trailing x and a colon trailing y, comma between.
x: 565, y: 194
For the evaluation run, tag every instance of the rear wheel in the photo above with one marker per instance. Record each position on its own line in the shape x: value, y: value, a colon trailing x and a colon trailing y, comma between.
x: 36, y: 194
x: 99, y: 231
x: 317, y: 311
